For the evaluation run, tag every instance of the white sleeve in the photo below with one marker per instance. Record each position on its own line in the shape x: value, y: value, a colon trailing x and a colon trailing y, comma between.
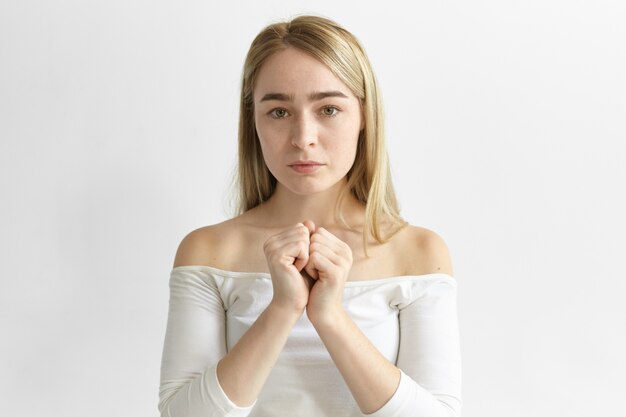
x: 429, y: 356
x: 194, y: 342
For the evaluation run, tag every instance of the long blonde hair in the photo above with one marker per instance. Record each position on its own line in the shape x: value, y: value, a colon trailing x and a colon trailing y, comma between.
x: 369, y: 179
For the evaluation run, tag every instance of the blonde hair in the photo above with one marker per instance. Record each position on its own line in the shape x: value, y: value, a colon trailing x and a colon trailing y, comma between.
x: 369, y: 179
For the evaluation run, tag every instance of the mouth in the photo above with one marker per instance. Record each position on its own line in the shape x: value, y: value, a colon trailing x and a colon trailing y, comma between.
x: 306, y: 167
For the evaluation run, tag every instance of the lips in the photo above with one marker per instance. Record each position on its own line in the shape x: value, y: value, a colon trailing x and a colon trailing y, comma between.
x: 305, y: 167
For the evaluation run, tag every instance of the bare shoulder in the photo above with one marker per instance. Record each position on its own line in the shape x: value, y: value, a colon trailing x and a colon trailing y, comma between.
x: 204, y: 246
x: 423, y: 251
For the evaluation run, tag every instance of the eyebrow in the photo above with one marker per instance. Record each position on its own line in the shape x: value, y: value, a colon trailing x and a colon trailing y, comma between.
x: 315, y: 96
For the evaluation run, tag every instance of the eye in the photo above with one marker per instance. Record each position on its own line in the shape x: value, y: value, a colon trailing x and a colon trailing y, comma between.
x: 330, y: 111
x: 278, y: 113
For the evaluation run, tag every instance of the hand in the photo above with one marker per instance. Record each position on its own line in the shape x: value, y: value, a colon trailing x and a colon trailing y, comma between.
x: 330, y: 260
x: 287, y: 253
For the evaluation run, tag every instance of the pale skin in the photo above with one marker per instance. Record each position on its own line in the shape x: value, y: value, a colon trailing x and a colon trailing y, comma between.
x: 297, y: 239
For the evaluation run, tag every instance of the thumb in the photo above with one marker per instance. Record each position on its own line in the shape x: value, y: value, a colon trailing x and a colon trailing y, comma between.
x: 309, y: 225
x: 303, y: 258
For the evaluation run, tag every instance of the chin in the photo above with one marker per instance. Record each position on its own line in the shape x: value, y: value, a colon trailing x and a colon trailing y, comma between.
x: 308, y: 187
x: 306, y: 190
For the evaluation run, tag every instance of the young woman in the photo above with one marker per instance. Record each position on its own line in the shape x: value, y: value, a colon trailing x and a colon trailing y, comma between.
x: 317, y: 299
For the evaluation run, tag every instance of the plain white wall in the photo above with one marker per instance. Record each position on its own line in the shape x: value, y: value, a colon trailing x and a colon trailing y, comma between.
x: 505, y: 122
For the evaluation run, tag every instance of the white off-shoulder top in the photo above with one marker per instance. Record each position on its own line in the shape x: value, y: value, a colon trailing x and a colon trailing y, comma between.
x: 412, y: 320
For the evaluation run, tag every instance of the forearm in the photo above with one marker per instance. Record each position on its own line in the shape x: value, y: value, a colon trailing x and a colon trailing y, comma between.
x: 371, y: 378
x: 244, y: 370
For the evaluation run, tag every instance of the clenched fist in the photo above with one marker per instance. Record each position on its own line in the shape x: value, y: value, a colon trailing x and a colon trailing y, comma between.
x: 309, y: 268
x: 287, y: 253
x: 330, y: 260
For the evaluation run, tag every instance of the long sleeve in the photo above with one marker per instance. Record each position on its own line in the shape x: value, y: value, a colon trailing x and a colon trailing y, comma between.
x: 429, y: 356
x: 194, y: 343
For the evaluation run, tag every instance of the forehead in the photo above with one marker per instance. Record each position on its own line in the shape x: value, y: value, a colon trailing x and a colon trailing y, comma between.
x: 292, y: 71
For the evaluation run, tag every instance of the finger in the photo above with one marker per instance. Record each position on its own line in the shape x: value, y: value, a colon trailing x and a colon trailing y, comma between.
x: 291, y: 246
x: 285, y: 245
x: 296, y: 243
x: 302, y: 257
x: 322, y: 234
x: 308, y: 280
x: 296, y: 233
x: 310, y: 226
x: 310, y: 269
x: 323, y: 237
x: 281, y: 242
x: 296, y: 251
x: 322, y: 264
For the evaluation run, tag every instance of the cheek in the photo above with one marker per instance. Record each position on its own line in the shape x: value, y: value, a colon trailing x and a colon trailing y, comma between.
x: 264, y: 136
x: 270, y: 149
x: 269, y: 153
x: 348, y: 144
x: 268, y: 131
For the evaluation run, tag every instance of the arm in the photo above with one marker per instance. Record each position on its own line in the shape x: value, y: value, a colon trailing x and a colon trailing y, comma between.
x: 193, y: 382
x: 194, y: 342
x: 428, y: 352
x: 427, y: 381
x: 372, y: 379
x: 243, y: 372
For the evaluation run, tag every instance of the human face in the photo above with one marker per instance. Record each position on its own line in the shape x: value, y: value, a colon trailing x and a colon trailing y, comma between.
x: 307, y: 120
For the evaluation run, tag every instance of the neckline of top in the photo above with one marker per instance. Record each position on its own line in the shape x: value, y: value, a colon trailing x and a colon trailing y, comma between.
x: 266, y: 275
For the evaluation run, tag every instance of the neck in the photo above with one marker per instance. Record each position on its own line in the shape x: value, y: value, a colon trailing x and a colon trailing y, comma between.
x: 286, y: 208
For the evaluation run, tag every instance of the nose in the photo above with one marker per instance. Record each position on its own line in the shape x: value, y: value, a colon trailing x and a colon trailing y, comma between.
x: 303, y: 132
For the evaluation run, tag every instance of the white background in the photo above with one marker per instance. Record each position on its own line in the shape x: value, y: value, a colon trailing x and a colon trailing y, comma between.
x: 506, y: 123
